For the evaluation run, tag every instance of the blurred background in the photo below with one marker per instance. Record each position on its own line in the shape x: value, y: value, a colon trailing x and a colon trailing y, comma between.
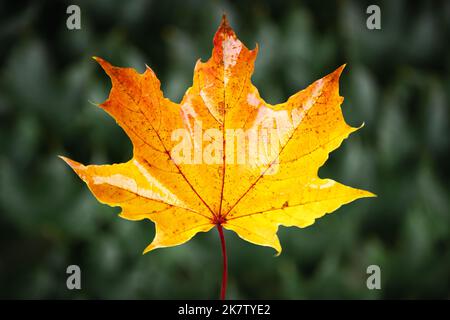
x: 397, y: 81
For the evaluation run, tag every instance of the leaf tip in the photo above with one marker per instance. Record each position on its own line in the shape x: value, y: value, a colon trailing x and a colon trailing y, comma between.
x: 99, y: 60
x: 277, y: 246
x: 224, y: 21
x: 278, y: 252
x: 73, y: 164
x: 149, y: 248
x: 102, y: 62
x: 369, y: 194
x: 256, y: 49
x: 334, y: 76
x: 339, y: 70
x: 94, y: 103
x: 354, y: 129
x: 223, y: 31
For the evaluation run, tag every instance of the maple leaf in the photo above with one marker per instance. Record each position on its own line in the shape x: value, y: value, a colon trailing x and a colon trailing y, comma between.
x: 223, y: 156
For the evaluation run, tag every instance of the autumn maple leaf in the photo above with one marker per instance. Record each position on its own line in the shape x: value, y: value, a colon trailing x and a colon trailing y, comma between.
x: 223, y: 156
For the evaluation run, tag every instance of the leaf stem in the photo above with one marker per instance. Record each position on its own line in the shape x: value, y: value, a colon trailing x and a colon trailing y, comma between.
x: 223, y: 289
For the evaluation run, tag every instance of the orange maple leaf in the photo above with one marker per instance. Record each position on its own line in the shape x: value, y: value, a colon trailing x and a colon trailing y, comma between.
x: 223, y: 156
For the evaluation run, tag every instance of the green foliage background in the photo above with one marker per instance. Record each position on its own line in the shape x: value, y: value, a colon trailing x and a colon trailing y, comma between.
x: 397, y: 81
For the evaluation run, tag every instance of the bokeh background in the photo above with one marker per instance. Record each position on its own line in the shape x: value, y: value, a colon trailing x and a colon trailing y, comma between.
x: 397, y: 81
